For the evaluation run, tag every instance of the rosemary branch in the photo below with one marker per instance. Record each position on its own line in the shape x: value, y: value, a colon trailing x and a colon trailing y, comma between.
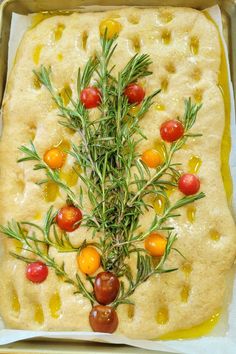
x: 53, y: 175
x: 31, y: 243
x: 145, y: 270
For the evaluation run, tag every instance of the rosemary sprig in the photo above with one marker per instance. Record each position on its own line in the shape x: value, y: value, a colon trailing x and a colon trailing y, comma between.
x: 77, y: 283
x: 189, y: 119
x: 46, y: 234
x: 53, y: 175
x: 145, y: 269
x: 32, y: 244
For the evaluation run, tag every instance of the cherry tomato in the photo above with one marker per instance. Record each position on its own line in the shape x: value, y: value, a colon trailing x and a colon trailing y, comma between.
x: 135, y: 93
x: 103, y: 319
x: 189, y: 184
x: 88, y: 260
x: 172, y: 130
x: 155, y: 244
x: 152, y: 158
x: 90, y: 97
x: 111, y: 26
x: 36, y: 272
x: 54, y: 158
x: 106, y: 287
x: 68, y: 218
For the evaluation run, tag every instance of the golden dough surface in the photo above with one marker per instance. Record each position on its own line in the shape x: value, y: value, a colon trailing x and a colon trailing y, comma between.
x: 181, y: 71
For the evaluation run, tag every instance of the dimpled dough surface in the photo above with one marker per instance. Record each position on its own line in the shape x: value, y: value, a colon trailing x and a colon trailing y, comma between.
x: 30, y: 114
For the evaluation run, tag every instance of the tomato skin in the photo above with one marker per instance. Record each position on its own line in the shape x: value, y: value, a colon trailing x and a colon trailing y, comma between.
x: 110, y: 27
x: 189, y: 184
x: 36, y: 272
x: 106, y: 287
x: 171, y: 130
x: 155, y: 244
x: 90, y: 97
x: 103, y: 319
x: 67, y: 217
x: 152, y: 158
x: 88, y: 260
x: 135, y: 93
x: 54, y: 158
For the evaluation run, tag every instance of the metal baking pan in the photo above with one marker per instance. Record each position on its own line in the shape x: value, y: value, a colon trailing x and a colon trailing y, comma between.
x: 7, y: 7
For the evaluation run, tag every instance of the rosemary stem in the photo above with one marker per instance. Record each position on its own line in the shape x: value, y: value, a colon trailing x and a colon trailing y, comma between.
x: 156, y: 176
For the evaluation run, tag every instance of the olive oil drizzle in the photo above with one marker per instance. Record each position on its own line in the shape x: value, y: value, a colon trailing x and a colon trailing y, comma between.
x: 226, y: 140
x: 41, y: 16
x: 223, y: 84
x: 194, y: 332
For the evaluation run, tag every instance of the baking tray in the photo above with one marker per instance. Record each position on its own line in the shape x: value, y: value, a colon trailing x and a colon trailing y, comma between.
x: 7, y: 7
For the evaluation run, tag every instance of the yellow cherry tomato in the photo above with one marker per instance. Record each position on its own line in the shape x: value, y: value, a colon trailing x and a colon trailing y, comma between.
x: 152, y: 158
x: 88, y: 260
x: 54, y: 158
x: 155, y: 244
x: 113, y: 28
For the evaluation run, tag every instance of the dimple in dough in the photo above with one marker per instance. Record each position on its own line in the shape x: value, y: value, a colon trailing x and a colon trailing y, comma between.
x: 186, y: 53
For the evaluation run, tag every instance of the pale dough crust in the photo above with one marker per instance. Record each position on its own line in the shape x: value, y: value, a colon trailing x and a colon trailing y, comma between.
x: 29, y: 114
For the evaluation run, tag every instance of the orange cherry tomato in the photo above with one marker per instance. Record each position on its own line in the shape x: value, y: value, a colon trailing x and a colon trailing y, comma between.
x: 155, y: 244
x: 152, y: 158
x: 88, y: 260
x: 54, y: 158
x: 111, y: 26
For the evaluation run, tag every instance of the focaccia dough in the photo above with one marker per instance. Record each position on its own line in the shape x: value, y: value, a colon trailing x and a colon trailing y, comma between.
x: 166, y: 35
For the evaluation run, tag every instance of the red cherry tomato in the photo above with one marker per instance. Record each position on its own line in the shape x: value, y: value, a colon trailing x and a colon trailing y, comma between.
x: 90, y: 97
x: 135, y: 93
x: 36, y: 272
x: 106, y: 287
x: 68, y: 218
x: 103, y: 319
x: 189, y: 184
x: 172, y: 130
